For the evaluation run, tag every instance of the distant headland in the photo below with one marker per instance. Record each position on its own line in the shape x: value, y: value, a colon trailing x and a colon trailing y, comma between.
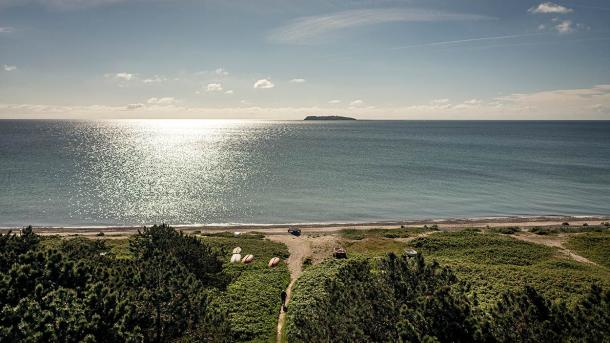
x: 328, y: 118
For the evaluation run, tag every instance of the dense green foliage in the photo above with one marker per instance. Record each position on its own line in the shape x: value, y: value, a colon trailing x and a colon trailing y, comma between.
x: 160, y: 285
x: 406, y: 300
x: 493, y: 263
x: 594, y: 246
x: 252, y: 299
x: 81, y: 292
x: 507, y: 230
x: 568, y: 229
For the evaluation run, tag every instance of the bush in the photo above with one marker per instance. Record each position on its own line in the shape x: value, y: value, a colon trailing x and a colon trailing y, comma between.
x: 510, y: 230
x: 75, y: 291
x: 542, y: 230
x: 402, y: 299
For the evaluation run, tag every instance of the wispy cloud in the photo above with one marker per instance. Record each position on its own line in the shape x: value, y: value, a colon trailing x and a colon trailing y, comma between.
x: 121, y: 76
x: 356, y: 103
x: 565, y: 26
x: 584, y: 103
x: 263, y: 84
x: 154, y: 79
x: 214, y: 87
x: 550, y: 7
x: 297, y: 81
x: 334, y: 102
x: 9, y: 68
x: 7, y: 29
x: 302, y: 30
x: 468, y: 40
x: 221, y: 72
x: 163, y: 101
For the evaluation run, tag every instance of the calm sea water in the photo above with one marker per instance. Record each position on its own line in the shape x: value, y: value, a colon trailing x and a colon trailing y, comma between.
x: 202, y: 171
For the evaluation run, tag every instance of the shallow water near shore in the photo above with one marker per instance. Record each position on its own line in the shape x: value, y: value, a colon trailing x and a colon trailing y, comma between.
x: 130, y: 172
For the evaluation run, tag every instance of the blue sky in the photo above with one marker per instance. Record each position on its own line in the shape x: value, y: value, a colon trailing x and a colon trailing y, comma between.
x: 432, y: 59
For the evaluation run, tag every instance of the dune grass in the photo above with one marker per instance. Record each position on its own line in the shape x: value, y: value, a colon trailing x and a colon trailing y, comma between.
x: 595, y: 246
x: 493, y: 262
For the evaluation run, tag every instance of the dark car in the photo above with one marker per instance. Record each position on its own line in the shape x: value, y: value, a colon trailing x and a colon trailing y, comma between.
x: 294, y: 231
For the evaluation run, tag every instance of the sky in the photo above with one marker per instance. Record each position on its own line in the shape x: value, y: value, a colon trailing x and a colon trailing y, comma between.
x: 277, y: 59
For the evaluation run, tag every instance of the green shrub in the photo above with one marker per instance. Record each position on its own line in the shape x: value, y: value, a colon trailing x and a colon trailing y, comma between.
x: 543, y: 230
x: 352, y: 234
x: 510, y: 230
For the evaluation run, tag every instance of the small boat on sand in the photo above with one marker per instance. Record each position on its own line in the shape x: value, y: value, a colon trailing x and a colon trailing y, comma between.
x: 274, y: 262
x: 235, y: 258
x: 247, y: 259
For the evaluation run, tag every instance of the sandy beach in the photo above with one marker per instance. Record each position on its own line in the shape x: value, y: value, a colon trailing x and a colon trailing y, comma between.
x: 281, y: 229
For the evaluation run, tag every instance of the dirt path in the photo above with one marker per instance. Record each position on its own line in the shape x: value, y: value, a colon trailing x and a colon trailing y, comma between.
x: 555, y: 241
x: 315, y: 247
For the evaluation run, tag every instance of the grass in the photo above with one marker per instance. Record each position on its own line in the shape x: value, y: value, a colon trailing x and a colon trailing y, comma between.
x: 252, y: 298
x: 568, y: 229
x: 355, y: 234
x: 492, y: 263
x: 595, y: 246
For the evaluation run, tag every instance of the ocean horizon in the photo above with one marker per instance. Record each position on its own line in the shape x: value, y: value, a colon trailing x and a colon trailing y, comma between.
x: 183, y: 172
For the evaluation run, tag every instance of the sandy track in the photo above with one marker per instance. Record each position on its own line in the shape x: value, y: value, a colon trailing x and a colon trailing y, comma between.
x: 315, y: 247
x: 554, y: 241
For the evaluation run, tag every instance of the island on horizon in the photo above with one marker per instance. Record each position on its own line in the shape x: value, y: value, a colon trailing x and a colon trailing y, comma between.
x: 328, y: 118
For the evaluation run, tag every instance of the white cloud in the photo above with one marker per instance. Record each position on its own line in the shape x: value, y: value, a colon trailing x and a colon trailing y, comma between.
x: 584, y: 103
x: 154, y: 79
x: 439, y: 101
x: 303, y: 29
x: 121, y: 76
x: 297, y: 81
x: 214, y: 87
x: 7, y: 29
x: 221, y: 72
x: 164, y: 101
x: 9, y: 68
x: 564, y: 26
x: 357, y: 102
x: 134, y: 106
x: 263, y: 84
x: 541, y: 27
x: 334, y: 101
x: 549, y: 7
x: 229, y: 92
x: 472, y: 102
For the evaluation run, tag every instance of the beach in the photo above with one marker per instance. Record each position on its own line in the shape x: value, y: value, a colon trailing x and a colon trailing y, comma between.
x: 325, y: 228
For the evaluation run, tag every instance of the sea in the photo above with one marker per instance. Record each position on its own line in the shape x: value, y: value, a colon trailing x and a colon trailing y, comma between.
x: 141, y: 172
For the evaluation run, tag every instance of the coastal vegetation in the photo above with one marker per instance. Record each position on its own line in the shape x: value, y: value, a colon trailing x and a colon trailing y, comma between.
x: 160, y: 285
x: 471, y: 285
x: 492, y: 263
x: 401, y: 299
x: 594, y: 246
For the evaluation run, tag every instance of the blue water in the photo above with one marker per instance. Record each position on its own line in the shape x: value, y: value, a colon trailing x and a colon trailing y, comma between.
x: 202, y: 171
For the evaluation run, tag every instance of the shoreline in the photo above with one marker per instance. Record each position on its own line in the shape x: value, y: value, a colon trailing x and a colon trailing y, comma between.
x: 447, y: 224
